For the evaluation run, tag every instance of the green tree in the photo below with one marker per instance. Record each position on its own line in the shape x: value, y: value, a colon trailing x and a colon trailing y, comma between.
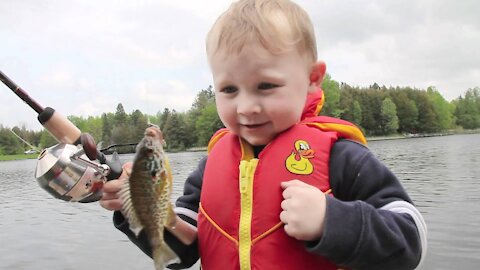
x: 407, y: 111
x: 9, y: 143
x: 78, y: 121
x: 467, y: 109
x: 174, y: 132
x: 205, y: 98
x: 331, y: 90
x: 357, y: 113
x: 120, y: 131
x: 163, y: 118
x: 138, y: 124
x: 46, y: 139
x: 371, y: 102
x: 107, y: 126
x: 120, y: 134
x: 427, y: 117
x: 442, y: 109
x: 207, y: 124
x: 389, y: 118
x: 120, y: 115
x: 92, y: 125
x: 347, y: 98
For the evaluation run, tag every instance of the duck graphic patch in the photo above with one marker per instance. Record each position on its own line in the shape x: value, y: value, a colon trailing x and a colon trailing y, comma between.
x: 298, y: 162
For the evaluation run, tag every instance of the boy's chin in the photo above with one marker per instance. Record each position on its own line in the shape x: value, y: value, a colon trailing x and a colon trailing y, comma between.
x: 257, y: 141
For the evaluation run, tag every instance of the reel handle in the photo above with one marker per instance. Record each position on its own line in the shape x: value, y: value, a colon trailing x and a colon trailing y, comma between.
x: 91, y: 151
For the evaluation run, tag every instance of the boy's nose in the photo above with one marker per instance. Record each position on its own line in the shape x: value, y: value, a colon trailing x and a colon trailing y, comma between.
x: 248, y: 104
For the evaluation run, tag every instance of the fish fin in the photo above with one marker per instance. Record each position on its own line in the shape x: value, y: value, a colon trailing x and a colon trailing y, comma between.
x: 171, y: 219
x: 128, y: 211
x: 163, y: 255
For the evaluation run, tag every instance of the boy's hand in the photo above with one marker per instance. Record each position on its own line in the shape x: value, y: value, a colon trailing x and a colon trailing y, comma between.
x: 303, y: 210
x: 110, y: 199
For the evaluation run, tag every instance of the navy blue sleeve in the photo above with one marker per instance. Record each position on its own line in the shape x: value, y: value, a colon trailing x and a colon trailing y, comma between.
x: 361, y: 230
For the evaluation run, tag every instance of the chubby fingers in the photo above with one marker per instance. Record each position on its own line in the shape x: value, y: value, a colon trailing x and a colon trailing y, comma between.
x: 127, y: 169
x: 113, y: 186
x: 288, y: 217
x: 294, y: 183
x: 292, y: 187
x: 112, y: 205
x: 110, y: 199
x: 303, y: 210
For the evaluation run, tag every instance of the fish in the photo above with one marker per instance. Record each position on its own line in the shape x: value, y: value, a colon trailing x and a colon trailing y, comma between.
x: 146, y: 195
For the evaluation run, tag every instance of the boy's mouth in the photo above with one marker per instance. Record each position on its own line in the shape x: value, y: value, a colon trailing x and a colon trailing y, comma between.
x: 254, y: 126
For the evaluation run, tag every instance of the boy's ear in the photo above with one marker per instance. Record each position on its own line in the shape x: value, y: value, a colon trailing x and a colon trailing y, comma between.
x: 317, y: 73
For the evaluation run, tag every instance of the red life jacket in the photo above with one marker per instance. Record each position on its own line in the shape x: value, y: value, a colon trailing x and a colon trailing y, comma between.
x: 238, y: 223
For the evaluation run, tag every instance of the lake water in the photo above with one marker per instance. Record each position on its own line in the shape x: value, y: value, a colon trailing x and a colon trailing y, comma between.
x: 441, y: 175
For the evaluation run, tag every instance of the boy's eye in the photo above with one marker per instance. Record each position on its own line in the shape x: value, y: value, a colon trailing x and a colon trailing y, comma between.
x: 229, y: 89
x: 265, y: 86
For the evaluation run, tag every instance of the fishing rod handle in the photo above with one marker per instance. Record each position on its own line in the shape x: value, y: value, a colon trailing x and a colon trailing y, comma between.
x: 62, y: 129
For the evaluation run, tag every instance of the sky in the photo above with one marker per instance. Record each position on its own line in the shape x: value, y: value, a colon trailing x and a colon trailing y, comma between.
x: 84, y: 57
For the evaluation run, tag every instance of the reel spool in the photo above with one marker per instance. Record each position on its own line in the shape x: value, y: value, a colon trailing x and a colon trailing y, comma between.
x: 65, y: 172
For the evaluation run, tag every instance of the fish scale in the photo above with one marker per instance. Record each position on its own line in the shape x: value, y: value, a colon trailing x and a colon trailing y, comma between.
x: 146, y: 195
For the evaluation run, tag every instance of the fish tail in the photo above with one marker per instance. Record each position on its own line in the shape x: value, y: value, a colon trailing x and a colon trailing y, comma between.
x: 163, y: 255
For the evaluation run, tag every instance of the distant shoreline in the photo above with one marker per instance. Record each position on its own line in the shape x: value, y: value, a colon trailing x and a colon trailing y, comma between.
x: 17, y: 157
x: 369, y: 139
x: 419, y: 135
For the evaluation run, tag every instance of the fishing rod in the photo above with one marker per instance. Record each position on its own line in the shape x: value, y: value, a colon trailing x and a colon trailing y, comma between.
x: 116, y: 146
x: 60, y: 127
x: 68, y: 170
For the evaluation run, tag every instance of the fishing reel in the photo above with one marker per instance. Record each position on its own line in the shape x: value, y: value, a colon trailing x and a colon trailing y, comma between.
x: 73, y: 170
x: 76, y: 173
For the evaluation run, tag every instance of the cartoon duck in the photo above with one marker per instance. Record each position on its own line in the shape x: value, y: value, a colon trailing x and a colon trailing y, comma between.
x: 298, y: 162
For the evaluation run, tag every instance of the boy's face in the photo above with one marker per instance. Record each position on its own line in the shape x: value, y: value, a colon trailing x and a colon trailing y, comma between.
x: 260, y: 94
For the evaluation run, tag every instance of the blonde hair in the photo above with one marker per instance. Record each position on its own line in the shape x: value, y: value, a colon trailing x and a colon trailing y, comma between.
x: 279, y: 25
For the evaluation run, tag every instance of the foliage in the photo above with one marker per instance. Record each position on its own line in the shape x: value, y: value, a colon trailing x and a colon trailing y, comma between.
x: 331, y: 90
x: 17, y: 157
x: 9, y: 144
x: 389, y: 118
x: 174, y: 131
x: 207, y: 123
x: 407, y: 111
x: 202, y: 105
x: 467, y: 109
x: 376, y: 109
x: 46, y: 139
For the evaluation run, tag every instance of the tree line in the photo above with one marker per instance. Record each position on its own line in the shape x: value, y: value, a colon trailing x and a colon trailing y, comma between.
x: 377, y: 110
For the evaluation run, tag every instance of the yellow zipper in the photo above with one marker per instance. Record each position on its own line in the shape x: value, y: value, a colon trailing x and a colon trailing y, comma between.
x: 247, y: 172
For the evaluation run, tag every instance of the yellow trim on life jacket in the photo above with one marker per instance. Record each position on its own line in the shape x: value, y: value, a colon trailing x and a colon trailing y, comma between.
x: 247, y: 168
x: 351, y: 132
x: 276, y: 226
x: 200, y: 208
x: 217, y: 136
x: 320, y: 104
x: 247, y: 150
x: 266, y: 233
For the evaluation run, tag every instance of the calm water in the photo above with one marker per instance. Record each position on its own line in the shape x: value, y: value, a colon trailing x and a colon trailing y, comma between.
x: 40, y: 232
